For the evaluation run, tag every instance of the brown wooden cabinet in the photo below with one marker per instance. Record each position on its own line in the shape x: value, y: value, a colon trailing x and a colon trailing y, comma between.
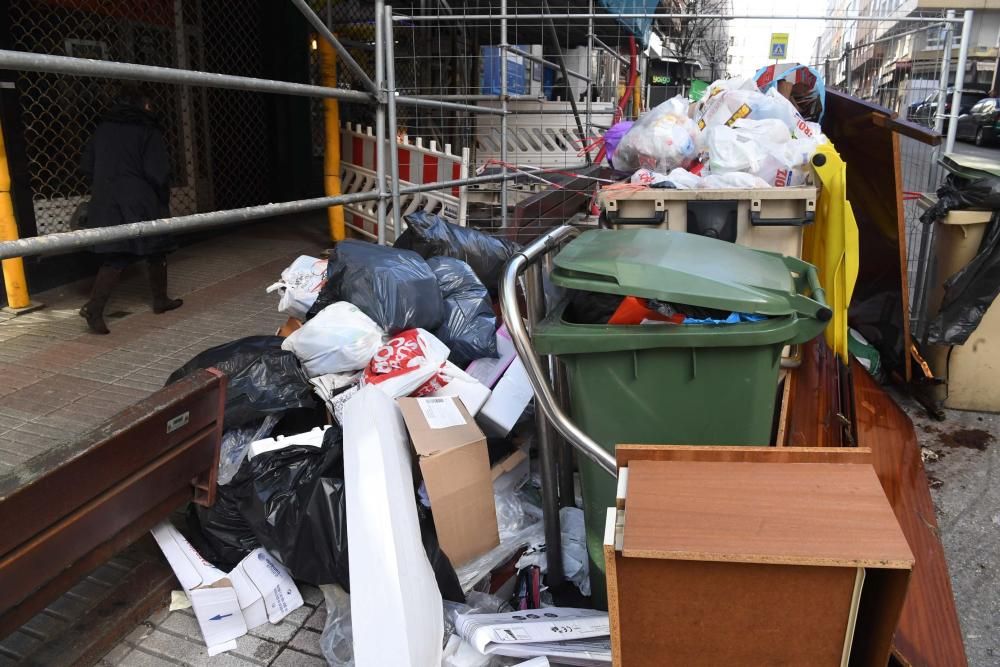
x: 769, y: 559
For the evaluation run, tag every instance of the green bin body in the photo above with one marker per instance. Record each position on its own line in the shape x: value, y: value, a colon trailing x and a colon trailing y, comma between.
x: 673, y: 384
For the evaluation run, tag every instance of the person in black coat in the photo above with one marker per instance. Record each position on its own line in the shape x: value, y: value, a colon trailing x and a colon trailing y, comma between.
x: 128, y: 167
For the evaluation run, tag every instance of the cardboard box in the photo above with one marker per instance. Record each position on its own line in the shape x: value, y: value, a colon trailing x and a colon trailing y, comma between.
x: 455, y: 464
x: 510, y: 397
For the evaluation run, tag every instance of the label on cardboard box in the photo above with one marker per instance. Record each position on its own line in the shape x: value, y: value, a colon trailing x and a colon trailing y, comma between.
x: 440, y: 412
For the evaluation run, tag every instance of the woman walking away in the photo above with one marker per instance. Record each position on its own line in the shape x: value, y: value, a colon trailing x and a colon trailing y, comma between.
x: 128, y: 168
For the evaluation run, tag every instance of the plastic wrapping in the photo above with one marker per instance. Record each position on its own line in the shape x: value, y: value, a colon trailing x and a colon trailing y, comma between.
x: 969, y: 293
x: 261, y: 378
x: 337, y: 640
x: 574, y: 550
x: 406, y: 362
x: 470, y: 325
x: 764, y: 148
x: 804, y: 85
x: 431, y: 236
x: 614, y: 136
x: 472, y: 572
x: 728, y: 101
x: 663, y: 138
x: 300, y: 285
x: 339, y: 339
x: 236, y: 443
x: 393, y: 287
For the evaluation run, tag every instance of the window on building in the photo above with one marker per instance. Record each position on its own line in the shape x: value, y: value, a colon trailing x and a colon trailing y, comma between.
x: 935, y: 37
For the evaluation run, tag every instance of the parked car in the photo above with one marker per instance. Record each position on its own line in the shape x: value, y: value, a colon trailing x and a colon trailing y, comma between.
x: 927, y: 110
x: 982, y: 124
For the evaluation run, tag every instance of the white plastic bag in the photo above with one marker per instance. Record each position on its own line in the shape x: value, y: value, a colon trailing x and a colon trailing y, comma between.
x: 340, y: 338
x: 663, y: 138
x: 396, y: 607
x: 574, y: 550
x: 735, y: 179
x: 337, y: 640
x: 408, y: 360
x: 300, y: 285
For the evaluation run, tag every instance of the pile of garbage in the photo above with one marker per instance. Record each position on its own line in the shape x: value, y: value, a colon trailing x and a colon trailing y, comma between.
x: 379, y: 449
x: 743, y: 133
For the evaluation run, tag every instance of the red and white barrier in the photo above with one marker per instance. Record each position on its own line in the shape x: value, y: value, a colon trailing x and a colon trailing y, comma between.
x: 418, y: 165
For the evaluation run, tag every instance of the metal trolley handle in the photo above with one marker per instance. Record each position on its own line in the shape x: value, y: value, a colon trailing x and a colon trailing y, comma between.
x: 544, y: 396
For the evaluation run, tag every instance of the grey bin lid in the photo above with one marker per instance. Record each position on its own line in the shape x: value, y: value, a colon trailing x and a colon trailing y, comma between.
x: 681, y: 268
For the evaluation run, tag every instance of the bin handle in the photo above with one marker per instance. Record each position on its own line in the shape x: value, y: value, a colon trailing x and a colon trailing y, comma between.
x: 758, y: 221
x: 544, y: 396
x: 817, y: 305
x: 657, y: 218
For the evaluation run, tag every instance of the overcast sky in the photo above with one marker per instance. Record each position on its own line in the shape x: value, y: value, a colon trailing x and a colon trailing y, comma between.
x: 801, y: 34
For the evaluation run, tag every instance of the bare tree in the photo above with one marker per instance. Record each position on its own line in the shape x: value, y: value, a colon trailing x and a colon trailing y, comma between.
x: 701, y: 38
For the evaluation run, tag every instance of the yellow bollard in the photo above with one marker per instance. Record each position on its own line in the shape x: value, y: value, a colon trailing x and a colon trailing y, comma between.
x: 331, y: 158
x: 13, y: 269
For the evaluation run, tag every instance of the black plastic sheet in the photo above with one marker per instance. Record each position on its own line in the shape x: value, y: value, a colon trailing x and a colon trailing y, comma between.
x: 261, y: 378
x: 470, y: 325
x: 970, y: 292
x: 431, y: 236
x: 394, y: 287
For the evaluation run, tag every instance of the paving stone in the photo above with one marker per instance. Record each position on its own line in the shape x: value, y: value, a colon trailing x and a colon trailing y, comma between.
x: 284, y: 631
x: 292, y: 658
x: 311, y: 595
x: 116, y: 656
x: 307, y: 641
x: 317, y: 620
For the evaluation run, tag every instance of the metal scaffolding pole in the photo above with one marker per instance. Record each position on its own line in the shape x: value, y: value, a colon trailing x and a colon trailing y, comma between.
x: 956, y: 98
x: 594, y: 39
x: 503, y: 107
x: 40, y: 62
x: 84, y: 238
x: 503, y: 15
x: 380, y: 134
x: 390, y: 82
x: 547, y: 63
x: 345, y: 56
x: 551, y: 26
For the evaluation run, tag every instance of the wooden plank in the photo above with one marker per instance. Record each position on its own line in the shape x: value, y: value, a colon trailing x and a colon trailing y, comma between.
x: 814, y: 412
x: 626, y: 454
x: 786, y: 391
x: 928, y: 633
x: 907, y: 129
x: 822, y: 514
x: 904, y: 274
x: 50, y: 486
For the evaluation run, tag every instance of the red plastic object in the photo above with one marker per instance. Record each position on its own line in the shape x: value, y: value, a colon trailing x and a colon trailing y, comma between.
x: 634, y: 310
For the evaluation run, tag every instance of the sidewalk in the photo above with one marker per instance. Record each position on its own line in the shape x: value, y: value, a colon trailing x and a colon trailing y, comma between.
x: 60, y: 380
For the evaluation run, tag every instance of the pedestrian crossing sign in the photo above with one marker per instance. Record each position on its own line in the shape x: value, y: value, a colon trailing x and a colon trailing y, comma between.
x: 779, y: 45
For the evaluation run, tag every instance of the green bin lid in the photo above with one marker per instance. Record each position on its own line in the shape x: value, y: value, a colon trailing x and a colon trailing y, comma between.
x: 681, y: 268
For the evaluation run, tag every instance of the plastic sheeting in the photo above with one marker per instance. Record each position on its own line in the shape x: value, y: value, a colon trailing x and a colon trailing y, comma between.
x: 393, y: 287
x: 431, y: 236
x: 396, y: 608
x: 470, y: 325
x: 970, y: 292
x: 339, y: 339
x: 261, y: 378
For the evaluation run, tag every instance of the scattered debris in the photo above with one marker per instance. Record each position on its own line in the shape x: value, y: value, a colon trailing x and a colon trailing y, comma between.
x: 928, y: 455
x: 968, y: 438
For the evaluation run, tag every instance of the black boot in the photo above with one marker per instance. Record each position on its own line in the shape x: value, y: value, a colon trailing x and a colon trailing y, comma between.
x: 93, y: 310
x: 158, y: 282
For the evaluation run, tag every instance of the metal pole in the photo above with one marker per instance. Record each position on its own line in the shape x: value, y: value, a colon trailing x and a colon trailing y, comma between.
x: 589, y: 110
x: 503, y: 15
x: 14, y: 281
x: 380, y: 120
x: 594, y: 39
x: 850, y: 69
x: 956, y: 98
x: 332, y: 185
x: 501, y: 51
x: 65, y: 241
x: 39, y: 62
x: 390, y: 82
x: 345, y: 55
x: 22, y: 61
x: 535, y: 301
x: 551, y: 26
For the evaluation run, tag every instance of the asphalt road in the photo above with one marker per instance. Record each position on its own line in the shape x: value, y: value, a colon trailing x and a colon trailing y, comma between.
x: 992, y: 152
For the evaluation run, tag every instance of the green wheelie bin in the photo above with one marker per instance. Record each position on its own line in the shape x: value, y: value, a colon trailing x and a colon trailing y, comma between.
x: 708, y: 384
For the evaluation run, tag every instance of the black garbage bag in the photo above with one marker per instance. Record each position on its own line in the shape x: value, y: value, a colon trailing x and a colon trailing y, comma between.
x: 470, y: 325
x: 220, y: 533
x: 295, y: 505
x: 394, y: 287
x: 262, y: 378
x: 970, y: 292
x: 590, y: 307
x: 432, y: 236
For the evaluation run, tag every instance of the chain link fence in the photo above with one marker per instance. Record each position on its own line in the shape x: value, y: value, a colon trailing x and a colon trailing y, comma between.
x: 59, y: 113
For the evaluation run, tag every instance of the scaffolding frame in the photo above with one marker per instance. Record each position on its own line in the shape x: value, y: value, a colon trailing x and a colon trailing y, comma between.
x: 380, y: 92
